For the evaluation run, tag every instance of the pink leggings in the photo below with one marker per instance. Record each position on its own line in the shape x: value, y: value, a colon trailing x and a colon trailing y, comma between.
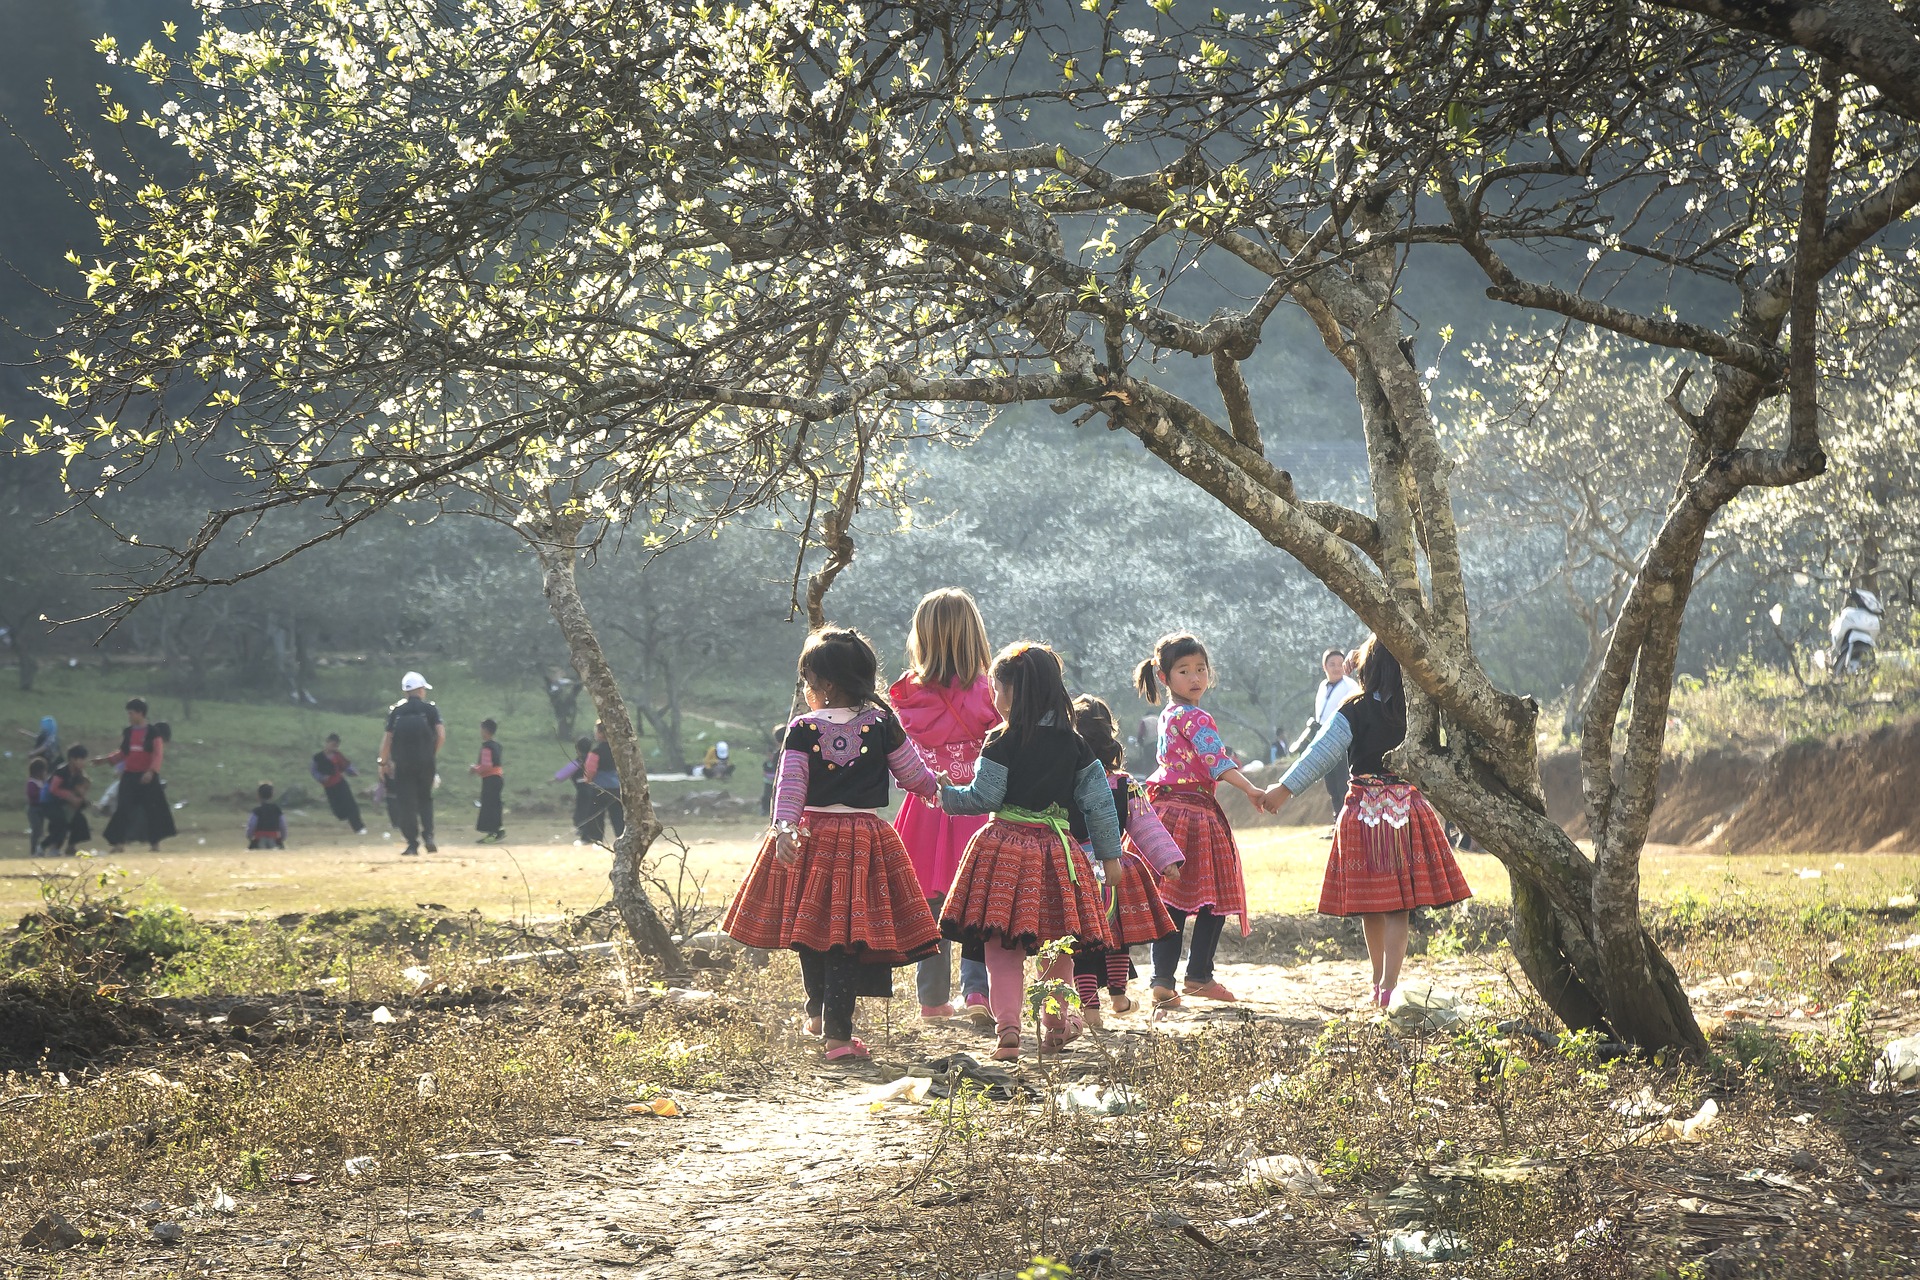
x: 1007, y: 984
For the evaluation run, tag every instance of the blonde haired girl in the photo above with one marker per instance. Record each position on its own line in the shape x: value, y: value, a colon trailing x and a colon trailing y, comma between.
x: 945, y: 703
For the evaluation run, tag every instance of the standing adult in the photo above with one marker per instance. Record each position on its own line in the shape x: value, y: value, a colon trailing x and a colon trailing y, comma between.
x: 1328, y: 698
x: 141, y: 813
x: 408, y: 757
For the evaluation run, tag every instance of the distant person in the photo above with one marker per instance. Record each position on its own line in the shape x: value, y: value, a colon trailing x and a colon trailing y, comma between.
x: 408, y: 756
x: 1328, y: 698
x: 604, y: 777
x: 67, y: 786
x: 37, y: 772
x: 46, y: 743
x: 589, y: 820
x: 267, y: 824
x: 491, y: 823
x: 718, y: 763
x: 770, y: 769
x: 331, y: 770
x: 141, y: 814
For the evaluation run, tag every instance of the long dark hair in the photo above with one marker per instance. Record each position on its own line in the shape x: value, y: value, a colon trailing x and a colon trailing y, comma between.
x: 1093, y: 721
x: 1382, y: 685
x: 1167, y: 650
x: 842, y: 659
x: 1030, y: 673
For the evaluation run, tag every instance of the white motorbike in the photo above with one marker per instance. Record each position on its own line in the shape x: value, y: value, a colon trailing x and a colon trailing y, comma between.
x: 1855, y: 633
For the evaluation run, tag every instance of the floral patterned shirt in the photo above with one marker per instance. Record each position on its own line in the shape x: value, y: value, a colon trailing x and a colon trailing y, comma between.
x: 1191, y: 753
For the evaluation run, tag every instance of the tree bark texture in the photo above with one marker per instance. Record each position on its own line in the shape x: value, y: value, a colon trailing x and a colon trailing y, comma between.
x: 557, y: 545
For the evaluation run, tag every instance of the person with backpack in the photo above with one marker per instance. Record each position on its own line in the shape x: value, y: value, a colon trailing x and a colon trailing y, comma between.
x: 141, y: 813
x: 408, y: 752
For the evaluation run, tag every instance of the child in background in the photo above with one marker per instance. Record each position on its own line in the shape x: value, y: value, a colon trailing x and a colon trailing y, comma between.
x: 67, y: 786
x: 1193, y: 761
x: 331, y: 770
x: 832, y: 881
x: 36, y: 801
x: 490, y: 823
x: 266, y: 825
x: 945, y: 703
x: 1135, y: 912
x: 1024, y: 880
x: 589, y: 820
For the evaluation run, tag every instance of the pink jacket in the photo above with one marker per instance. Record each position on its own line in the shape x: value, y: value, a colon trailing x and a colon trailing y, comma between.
x: 946, y: 726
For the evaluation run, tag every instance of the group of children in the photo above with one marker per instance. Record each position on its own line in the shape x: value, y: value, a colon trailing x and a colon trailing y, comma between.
x: 59, y: 788
x: 1023, y: 834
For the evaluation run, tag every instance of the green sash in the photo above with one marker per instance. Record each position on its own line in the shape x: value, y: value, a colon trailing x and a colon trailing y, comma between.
x: 1053, y: 817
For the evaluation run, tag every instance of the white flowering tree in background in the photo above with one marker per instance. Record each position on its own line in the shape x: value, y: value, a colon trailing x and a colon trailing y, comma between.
x: 623, y: 254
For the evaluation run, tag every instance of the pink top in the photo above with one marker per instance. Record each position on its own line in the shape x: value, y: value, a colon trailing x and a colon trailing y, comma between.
x: 1191, y: 752
x: 947, y: 726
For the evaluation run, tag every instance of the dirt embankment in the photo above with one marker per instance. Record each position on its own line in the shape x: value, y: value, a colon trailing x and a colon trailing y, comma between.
x: 1853, y: 794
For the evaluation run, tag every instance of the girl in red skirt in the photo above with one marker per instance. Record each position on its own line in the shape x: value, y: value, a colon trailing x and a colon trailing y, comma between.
x: 1390, y: 853
x: 945, y: 703
x: 1130, y: 887
x: 832, y: 880
x: 1024, y: 880
x: 1193, y: 761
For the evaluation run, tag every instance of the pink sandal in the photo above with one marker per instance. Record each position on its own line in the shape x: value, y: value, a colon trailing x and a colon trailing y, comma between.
x: 1056, y: 1039
x: 1211, y: 991
x: 852, y: 1051
x: 1009, y: 1049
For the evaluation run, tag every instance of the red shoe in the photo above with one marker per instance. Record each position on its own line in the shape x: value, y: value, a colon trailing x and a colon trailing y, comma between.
x: 1166, y: 998
x: 935, y: 1012
x: 1210, y: 991
x: 1009, y: 1050
x: 852, y: 1051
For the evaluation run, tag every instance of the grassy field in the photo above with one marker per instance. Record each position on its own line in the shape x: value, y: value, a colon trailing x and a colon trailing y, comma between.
x: 224, y: 749
x: 541, y: 873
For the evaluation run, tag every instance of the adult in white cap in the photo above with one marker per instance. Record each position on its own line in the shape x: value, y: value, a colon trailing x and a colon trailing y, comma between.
x: 408, y: 752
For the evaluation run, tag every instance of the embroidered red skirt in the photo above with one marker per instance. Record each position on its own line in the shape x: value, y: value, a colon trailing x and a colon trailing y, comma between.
x: 1020, y: 884
x: 1390, y: 853
x: 1135, y: 912
x: 1210, y: 875
x: 851, y: 891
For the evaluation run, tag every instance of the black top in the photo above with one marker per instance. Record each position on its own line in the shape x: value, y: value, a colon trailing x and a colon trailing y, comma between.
x: 412, y: 722
x: 266, y: 819
x: 1378, y: 727
x: 1124, y: 788
x: 422, y: 707
x: 1041, y: 770
x: 70, y: 779
x: 847, y: 763
x: 490, y: 753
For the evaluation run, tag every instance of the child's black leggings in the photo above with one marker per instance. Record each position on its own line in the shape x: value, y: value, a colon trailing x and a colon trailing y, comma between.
x: 1206, y: 941
x: 832, y: 980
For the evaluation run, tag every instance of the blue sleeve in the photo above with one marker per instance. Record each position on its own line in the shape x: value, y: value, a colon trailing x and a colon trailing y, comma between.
x: 1322, y: 757
x: 984, y: 793
x: 1095, y: 798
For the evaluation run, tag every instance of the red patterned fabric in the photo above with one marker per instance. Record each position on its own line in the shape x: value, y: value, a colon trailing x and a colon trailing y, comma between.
x: 1013, y: 883
x: 1390, y: 853
x: 1211, y: 876
x: 935, y: 840
x: 1135, y: 912
x: 852, y: 890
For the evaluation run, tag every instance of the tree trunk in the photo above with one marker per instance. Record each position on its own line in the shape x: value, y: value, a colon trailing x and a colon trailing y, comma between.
x: 556, y: 544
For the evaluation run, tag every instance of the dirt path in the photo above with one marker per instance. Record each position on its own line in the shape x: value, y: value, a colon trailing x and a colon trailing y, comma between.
x: 777, y: 1184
